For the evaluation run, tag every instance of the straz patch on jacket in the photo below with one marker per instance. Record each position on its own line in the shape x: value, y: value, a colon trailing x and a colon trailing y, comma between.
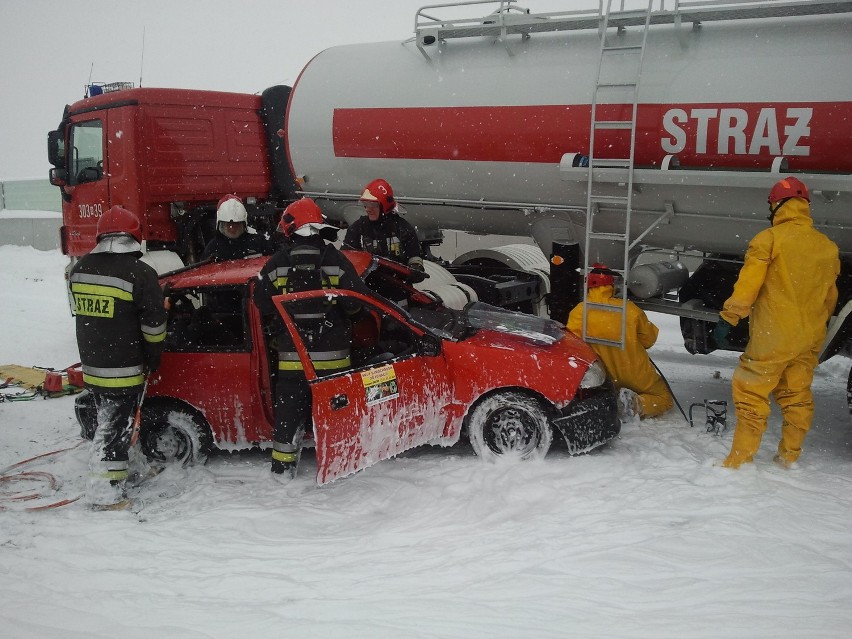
x: 380, y: 384
x: 94, y: 305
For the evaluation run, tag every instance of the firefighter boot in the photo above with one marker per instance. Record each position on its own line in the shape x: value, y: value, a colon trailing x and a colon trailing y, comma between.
x: 629, y: 405
x: 285, y: 461
x: 133, y: 505
x: 106, y: 483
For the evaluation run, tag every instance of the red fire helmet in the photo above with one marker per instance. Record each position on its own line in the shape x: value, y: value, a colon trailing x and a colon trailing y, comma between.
x: 302, y: 217
x: 788, y: 187
x: 119, y: 220
x: 600, y: 279
x: 379, y: 191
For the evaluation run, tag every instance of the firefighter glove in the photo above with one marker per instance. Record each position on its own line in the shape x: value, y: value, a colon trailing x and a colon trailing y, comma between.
x: 720, y: 333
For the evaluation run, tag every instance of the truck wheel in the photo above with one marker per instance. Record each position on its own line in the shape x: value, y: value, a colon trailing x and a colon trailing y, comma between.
x: 849, y: 391
x: 175, y: 436
x: 509, y: 424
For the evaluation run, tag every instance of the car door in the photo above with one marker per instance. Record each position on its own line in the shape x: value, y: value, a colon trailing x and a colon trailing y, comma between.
x: 392, y: 402
x: 209, y: 363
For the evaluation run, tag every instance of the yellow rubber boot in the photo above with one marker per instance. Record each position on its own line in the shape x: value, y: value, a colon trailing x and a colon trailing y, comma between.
x: 747, y: 436
x: 794, y: 396
x: 750, y: 387
x: 790, y: 446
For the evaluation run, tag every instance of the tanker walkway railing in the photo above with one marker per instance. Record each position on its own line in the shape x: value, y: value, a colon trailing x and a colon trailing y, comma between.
x: 506, y: 19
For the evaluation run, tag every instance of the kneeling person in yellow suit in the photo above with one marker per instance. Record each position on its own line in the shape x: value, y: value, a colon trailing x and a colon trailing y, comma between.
x: 630, y: 367
x: 787, y: 286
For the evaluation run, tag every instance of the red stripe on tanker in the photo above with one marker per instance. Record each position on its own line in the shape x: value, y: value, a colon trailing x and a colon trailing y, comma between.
x: 720, y: 134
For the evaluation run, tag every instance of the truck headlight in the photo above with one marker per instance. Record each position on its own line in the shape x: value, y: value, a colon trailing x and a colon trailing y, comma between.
x: 594, y: 377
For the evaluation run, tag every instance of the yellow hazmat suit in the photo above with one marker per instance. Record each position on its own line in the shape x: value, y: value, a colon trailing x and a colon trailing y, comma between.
x: 787, y: 286
x: 630, y: 368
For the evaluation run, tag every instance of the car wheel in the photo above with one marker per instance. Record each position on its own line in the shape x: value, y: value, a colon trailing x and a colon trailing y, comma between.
x: 175, y: 435
x: 509, y: 424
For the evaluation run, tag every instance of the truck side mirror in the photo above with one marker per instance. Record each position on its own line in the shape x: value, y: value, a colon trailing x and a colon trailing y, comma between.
x: 56, y: 148
x: 89, y: 174
x: 58, y: 177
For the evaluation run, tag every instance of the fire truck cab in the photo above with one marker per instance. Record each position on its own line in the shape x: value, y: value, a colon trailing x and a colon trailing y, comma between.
x: 166, y: 154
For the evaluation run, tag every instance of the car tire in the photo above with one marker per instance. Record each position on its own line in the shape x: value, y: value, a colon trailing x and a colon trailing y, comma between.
x: 509, y: 424
x: 174, y: 435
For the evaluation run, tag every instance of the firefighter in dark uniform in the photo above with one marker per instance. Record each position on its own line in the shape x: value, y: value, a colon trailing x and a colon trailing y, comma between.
x: 233, y: 241
x: 121, y: 325
x: 305, y: 262
x: 382, y: 231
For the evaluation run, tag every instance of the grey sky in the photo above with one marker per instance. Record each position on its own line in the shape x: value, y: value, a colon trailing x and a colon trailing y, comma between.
x: 48, y: 49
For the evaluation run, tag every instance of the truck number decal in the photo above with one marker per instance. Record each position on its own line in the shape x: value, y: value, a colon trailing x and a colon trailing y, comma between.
x: 90, y: 210
x: 735, y: 131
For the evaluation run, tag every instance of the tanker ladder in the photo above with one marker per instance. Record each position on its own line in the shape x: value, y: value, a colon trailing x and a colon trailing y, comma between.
x: 619, y: 72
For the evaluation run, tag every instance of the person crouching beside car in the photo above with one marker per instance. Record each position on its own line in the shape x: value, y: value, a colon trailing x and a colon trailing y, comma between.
x: 642, y: 391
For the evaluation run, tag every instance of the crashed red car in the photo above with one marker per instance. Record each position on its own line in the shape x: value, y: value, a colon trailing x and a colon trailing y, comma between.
x: 511, y: 382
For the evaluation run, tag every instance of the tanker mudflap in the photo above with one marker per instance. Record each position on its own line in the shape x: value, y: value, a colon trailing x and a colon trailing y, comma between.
x: 590, y: 421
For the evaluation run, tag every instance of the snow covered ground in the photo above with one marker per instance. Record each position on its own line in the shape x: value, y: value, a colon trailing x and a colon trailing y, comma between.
x: 645, y: 538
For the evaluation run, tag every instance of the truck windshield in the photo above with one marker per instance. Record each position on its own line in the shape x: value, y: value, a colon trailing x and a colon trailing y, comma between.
x: 88, y: 152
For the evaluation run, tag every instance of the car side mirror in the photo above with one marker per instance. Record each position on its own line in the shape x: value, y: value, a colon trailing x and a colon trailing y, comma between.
x: 428, y: 345
x: 58, y: 177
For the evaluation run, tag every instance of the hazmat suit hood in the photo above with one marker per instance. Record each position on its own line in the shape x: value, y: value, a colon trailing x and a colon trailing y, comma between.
x: 599, y: 293
x: 795, y: 209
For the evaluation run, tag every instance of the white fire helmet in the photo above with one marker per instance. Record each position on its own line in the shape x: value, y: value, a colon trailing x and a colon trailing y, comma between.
x: 231, y: 209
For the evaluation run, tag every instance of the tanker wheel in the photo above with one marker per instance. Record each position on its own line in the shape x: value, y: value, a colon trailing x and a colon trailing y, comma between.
x: 509, y: 424
x: 175, y: 435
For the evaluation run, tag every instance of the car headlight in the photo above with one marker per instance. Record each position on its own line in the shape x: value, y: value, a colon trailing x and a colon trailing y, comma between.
x: 594, y: 377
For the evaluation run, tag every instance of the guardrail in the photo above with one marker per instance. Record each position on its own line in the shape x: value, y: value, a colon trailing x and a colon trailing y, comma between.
x: 30, y: 214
